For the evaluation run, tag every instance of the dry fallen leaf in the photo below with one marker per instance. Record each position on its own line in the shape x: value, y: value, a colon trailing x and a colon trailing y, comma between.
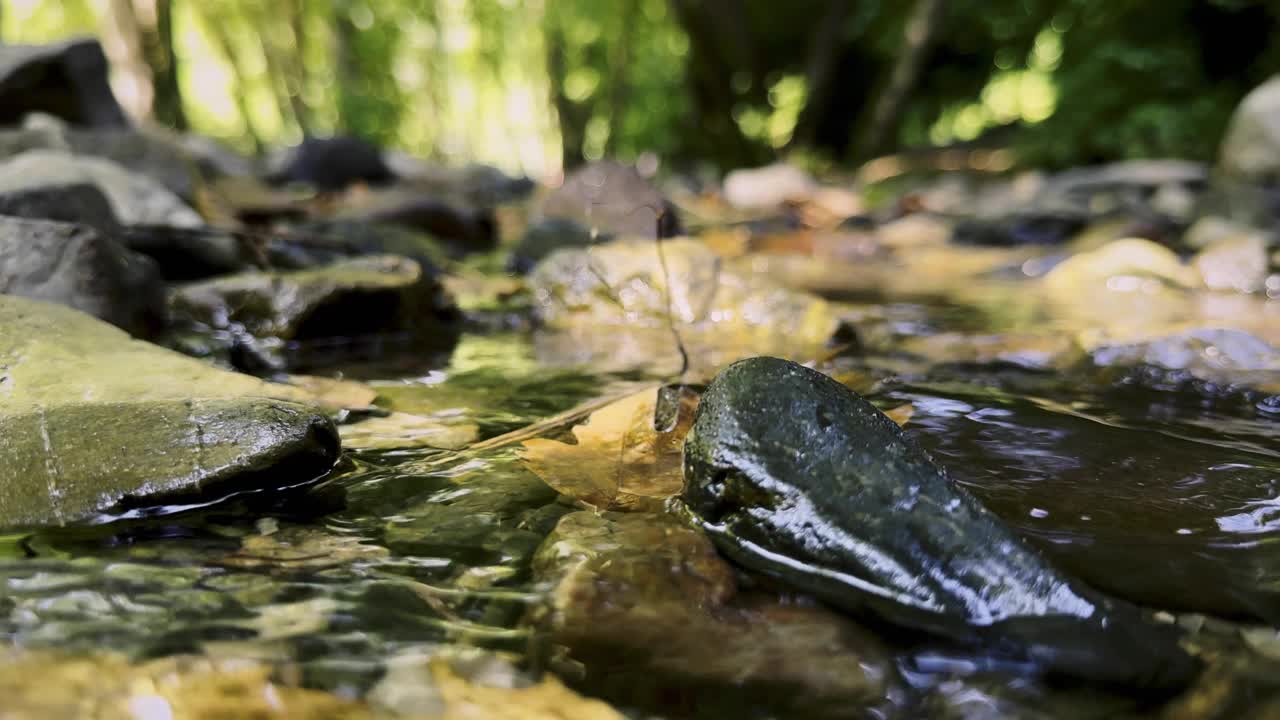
x: 620, y: 460
x: 901, y: 414
x: 548, y: 700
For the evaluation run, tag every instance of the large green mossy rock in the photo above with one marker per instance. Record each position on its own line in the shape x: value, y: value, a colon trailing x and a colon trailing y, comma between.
x: 92, y: 420
x: 68, y: 463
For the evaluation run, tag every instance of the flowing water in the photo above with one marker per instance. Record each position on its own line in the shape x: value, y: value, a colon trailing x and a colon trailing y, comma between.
x: 1162, y: 493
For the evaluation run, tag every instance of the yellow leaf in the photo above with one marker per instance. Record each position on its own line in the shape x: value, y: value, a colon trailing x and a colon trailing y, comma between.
x: 901, y: 414
x: 620, y: 460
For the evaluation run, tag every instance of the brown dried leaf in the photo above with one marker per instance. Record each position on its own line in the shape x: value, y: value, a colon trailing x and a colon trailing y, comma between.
x: 620, y: 461
x: 901, y: 414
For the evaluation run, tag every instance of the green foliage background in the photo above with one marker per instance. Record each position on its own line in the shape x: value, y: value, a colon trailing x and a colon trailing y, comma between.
x: 532, y: 85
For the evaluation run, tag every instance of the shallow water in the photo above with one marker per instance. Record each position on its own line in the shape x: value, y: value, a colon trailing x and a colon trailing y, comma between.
x: 1166, y: 496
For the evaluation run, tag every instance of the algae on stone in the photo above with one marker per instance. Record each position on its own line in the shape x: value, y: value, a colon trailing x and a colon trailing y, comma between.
x: 92, y: 418
x: 645, y: 600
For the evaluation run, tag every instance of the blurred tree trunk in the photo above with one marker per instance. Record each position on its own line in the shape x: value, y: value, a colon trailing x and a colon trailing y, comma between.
x: 156, y: 34
x: 620, y: 73
x: 281, y: 41
x: 221, y: 36
x: 298, y: 75
x: 572, y: 117
x: 348, y: 65
x: 917, y: 41
x: 720, y: 46
x: 820, y: 71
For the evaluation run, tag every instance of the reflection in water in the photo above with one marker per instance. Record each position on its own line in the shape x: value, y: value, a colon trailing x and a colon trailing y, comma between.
x: 1167, y: 496
x: 1155, y: 514
x: 1261, y: 516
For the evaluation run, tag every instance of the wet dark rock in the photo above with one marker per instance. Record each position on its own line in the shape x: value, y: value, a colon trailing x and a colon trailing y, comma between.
x: 189, y: 253
x: 497, y: 517
x: 134, y: 198
x: 334, y: 163
x: 318, y: 243
x: 477, y: 185
x: 838, y: 502
x: 460, y: 229
x: 69, y: 463
x: 81, y: 203
x: 94, y: 422
x: 67, y: 79
x: 78, y: 266
x: 614, y: 200
x: 1021, y: 229
x: 184, y: 251
x: 255, y: 315
x: 544, y: 237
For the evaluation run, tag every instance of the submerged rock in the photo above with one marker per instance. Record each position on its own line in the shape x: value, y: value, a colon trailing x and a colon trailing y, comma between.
x: 646, y: 604
x: 544, y: 237
x: 67, y: 79
x: 315, y: 244
x: 1206, y: 352
x: 350, y: 299
x: 767, y: 187
x: 613, y: 200
x: 1118, y: 264
x: 722, y: 313
x: 78, y: 266
x: 94, y: 421
x: 1234, y: 263
x: 837, y: 501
